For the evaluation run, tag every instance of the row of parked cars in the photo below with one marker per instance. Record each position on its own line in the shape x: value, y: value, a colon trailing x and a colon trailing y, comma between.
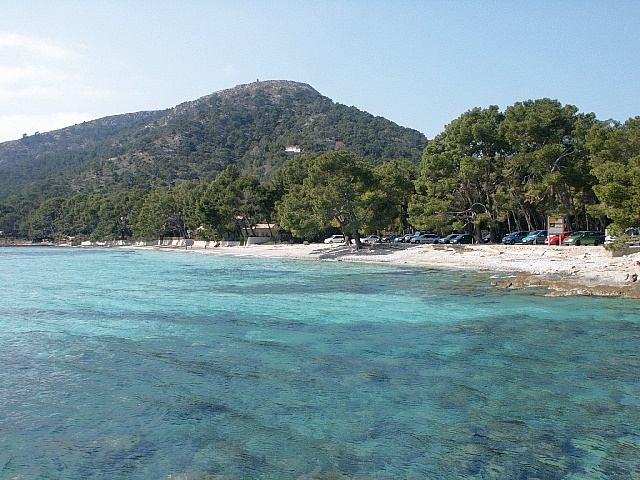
x: 540, y: 237
x: 418, y: 237
x: 521, y: 237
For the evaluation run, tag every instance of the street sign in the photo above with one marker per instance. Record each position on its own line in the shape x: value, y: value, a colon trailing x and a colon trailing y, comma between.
x: 555, y: 225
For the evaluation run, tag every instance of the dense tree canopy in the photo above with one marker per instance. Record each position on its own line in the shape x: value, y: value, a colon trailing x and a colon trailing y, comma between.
x: 460, y: 176
x: 615, y: 161
x: 509, y: 170
x: 339, y: 189
x: 230, y: 204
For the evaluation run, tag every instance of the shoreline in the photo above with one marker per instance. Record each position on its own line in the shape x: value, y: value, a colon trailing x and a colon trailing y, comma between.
x: 564, y: 270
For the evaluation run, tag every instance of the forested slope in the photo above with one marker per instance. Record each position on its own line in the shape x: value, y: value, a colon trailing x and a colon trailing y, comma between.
x: 248, y: 126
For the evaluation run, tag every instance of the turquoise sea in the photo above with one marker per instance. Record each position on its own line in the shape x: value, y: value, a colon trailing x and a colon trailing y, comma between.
x: 126, y: 364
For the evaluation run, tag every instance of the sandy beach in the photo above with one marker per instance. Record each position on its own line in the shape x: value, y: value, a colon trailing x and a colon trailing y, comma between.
x: 584, y: 270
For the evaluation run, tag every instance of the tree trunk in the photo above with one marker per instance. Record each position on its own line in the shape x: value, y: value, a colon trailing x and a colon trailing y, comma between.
x: 356, y: 240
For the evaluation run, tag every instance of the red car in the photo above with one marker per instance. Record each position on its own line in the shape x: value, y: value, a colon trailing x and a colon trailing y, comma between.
x: 556, y: 239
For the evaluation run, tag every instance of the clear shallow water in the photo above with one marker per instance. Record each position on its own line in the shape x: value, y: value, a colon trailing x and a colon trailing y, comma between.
x: 151, y: 365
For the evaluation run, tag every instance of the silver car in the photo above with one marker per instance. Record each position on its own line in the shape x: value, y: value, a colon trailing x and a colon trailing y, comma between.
x: 371, y: 239
x: 426, y: 238
x: 334, y: 239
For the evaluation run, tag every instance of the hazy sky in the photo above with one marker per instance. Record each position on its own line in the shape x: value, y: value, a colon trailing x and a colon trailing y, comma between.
x: 418, y: 63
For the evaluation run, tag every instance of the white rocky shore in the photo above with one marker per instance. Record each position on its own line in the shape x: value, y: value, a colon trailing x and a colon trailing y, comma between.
x: 584, y: 270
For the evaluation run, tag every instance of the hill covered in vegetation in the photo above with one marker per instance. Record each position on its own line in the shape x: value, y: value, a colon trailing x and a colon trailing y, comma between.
x: 249, y: 126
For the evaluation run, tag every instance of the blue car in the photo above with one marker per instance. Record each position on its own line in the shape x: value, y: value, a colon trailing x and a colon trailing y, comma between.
x: 535, y: 238
x: 514, y: 237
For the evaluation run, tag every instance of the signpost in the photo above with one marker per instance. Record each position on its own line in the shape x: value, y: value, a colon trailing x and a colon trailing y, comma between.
x: 555, y: 226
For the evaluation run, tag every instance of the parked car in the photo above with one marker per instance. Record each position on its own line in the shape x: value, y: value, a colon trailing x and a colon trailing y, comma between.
x: 535, y: 238
x: 585, y: 237
x: 631, y: 236
x: 462, y: 238
x: 448, y: 238
x: 334, y: 239
x: 487, y: 237
x: 402, y: 238
x: 409, y: 236
x: 371, y: 239
x: 425, y: 238
x: 514, y: 237
x: 390, y: 238
x: 556, y: 239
